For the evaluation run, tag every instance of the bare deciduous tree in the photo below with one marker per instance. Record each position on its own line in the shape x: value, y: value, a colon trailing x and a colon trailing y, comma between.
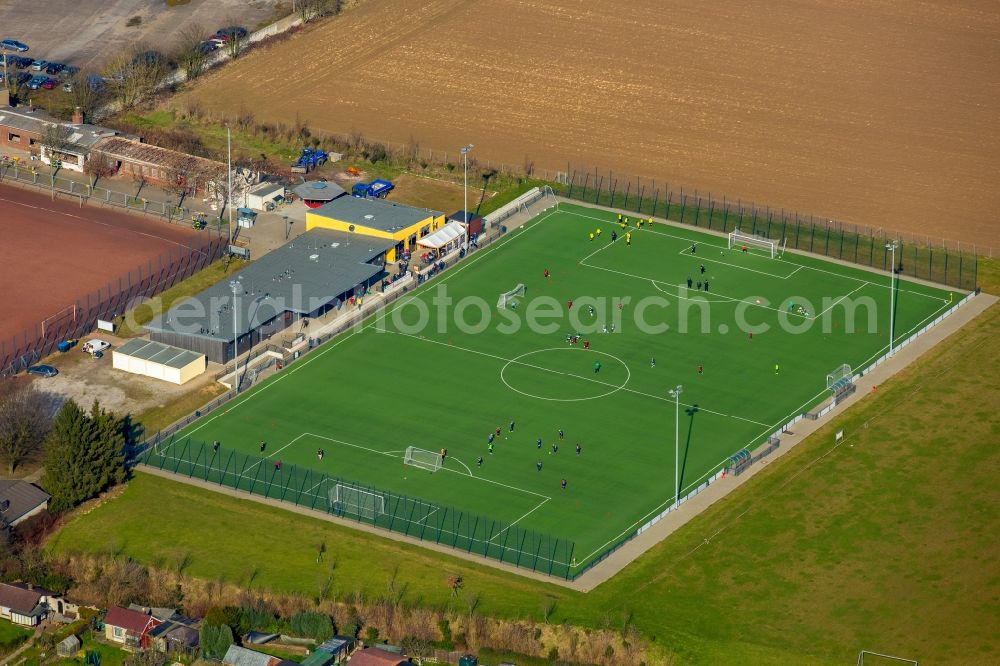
x: 25, y: 420
x: 98, y: 165
x: 135, y: 73
x: 189, y: 52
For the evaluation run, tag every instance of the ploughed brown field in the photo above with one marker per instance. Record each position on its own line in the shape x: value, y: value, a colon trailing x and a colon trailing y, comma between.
x: 876, y: 112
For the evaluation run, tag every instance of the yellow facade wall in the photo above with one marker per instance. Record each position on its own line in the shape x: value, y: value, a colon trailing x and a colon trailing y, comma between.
x: 420, y: 229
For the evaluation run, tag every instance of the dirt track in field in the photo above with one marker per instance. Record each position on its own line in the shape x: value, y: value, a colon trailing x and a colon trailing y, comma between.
x: 58, y: 252
x: 875, y: 112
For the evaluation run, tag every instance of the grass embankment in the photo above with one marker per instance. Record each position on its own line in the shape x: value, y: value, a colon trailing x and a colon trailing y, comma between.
x: 130, y: 324
x: 885, y: 542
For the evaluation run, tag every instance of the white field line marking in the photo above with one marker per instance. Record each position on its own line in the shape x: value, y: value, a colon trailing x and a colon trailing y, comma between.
x: 477, y: 478
x: 497, y: 535
x: 357, y: 329
x: 832, y: 305
x: 90, y: 221
x: 468, y: 471
x: 569, y: 374
x: 436, y: 509
x: 812, y: 268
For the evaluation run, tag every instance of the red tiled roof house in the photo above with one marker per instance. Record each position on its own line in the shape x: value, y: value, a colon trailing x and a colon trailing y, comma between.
x: 128, y: 627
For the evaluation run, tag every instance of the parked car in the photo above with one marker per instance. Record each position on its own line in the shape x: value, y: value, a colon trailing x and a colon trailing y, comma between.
x: 49, y: 84
x: 96, y: 83
x: 68, y: 86
x: 67, y: 72
x: 209, y: 46
x: 36, y: 82
x: 54, y: 68
x: 39, y: 65
x: 232, y: 30
x: 20, y: 62
x: 14, y: 45
x: 43, y: 371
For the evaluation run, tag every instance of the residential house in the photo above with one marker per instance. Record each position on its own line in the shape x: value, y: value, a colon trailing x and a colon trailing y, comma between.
x: 129, y: 627
x: 376, y: 657
x: 27, y: 605
x: 20, y: 500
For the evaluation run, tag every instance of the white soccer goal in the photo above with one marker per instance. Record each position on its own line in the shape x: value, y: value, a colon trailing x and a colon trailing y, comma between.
x: 739, y: 239
x: 356, y: 502
x: 422, y: 458
x: 838, y: 376
x: 505, y: 298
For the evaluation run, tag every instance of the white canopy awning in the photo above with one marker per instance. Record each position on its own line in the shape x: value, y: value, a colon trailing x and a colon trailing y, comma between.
x: 443, y: 236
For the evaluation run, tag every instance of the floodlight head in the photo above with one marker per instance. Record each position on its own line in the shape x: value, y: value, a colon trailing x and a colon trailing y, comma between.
x: 465, y: 149
x: 892, y: 246
x: 674, y: 392
x: 235, y: 286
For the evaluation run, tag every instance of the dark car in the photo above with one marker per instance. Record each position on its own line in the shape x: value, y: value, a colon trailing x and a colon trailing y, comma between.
x: 14, y: 45
x: 49, y: 84
x: 54, y: 68
x: 68, y: 72
x: 232, y: 31
x: 96, y: 83
x: 21, y: 62
x: 43, y: 371
x: 208, y: 47
x: 36, y: 82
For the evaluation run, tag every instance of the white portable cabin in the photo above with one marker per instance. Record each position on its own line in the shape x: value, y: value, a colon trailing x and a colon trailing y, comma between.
x: 261, y: 194
x: 159, y: 361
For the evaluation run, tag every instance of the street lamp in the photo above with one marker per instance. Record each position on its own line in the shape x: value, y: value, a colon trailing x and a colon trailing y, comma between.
x: 229, y: 173
x: 465, y: 211
x: 892, y: 295
x: 676, y: 395
x: 235, y: 285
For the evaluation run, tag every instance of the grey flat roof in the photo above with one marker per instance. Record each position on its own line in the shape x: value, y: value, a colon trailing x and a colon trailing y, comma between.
x: 300, y: 276
x: 157, y: 352
x: 318, y: 190
x: 374, y: 213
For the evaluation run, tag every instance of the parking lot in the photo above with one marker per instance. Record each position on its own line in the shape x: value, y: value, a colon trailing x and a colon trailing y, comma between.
x: 87, y: 34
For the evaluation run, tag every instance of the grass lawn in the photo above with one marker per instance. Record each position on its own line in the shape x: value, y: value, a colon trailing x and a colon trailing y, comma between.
x: 130, y: 324
x: 882, y: 543
x: 157, y: 418
x: 496, y: 369
x: 11, y: 636
x: 109, y: 655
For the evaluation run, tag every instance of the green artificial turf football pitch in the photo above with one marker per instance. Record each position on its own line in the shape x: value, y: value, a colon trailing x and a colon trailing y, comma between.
x: 444, y: 366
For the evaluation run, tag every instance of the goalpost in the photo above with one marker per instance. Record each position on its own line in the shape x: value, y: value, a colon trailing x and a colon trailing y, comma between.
x: 356, y: 502
x: 841, y: 382
x: 422, y: 458
x: 739, y: 239
x: 507, y: 297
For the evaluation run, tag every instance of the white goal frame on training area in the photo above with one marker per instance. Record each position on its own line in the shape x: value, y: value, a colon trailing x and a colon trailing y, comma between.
x: 841, y: 373
x: 519, y: 290
x: 422, y: 458
x: 738, y: 238
x: 357, y: 502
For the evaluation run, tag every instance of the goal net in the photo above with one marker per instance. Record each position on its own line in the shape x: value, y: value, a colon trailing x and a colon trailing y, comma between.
x: 422, y: 458
x: 839, y: 377
x: 356, y: 502
x: 739, y: 239
x: 509, y: 296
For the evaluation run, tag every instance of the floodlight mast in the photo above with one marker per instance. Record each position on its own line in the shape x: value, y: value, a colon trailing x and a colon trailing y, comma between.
x: 465, y: 159
x: 676, y: 395
x: 892, y: 296
x: 235, y: 286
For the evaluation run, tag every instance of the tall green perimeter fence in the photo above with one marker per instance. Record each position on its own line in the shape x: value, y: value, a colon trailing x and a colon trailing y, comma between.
x: 857, y: 244
x: 394, y: 512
